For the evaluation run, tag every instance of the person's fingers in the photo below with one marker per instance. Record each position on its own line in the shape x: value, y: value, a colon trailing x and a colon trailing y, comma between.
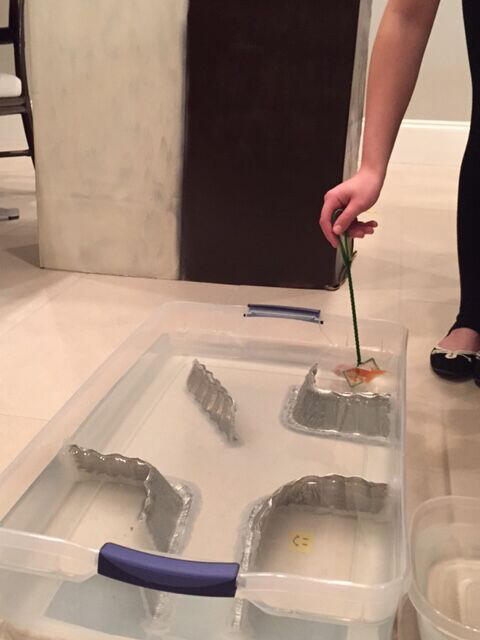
x: 360, y: 233
x: 331, y: 203
x: 357, y: 225
x: 356, y: 234
x: 346, y: 218
x: 347, y: 222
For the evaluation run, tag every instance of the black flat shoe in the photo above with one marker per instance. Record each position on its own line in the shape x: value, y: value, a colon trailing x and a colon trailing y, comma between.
x: 476, y: 374
x: 454, y: 365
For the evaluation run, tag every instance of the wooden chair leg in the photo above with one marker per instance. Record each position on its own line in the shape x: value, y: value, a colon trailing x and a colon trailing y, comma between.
x: 28, y: 126
x: 17, y: 20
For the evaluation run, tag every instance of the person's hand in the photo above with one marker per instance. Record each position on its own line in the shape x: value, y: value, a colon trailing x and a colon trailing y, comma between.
x: 354, y: 196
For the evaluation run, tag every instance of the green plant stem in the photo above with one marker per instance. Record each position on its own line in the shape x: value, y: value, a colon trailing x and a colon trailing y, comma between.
x: 347, y: 259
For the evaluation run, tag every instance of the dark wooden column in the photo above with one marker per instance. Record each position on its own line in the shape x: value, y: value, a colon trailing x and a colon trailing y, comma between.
x: 268, y: 106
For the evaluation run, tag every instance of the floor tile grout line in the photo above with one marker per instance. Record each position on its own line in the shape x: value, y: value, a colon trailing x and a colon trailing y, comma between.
x: 13, y: 415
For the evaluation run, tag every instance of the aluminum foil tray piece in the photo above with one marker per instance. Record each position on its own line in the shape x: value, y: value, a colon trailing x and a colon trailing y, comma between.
x: 333, y: 493
x: 213, y: 398
x: 349, y: 414
x: 345, y: 496
x: 166, y: 509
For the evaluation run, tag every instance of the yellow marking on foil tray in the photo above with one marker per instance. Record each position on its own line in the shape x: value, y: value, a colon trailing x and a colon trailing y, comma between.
x: 301, y: 542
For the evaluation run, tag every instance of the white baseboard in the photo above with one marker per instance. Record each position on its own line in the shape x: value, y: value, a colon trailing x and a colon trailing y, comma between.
x: 431, y: 142
x: 12, y: 135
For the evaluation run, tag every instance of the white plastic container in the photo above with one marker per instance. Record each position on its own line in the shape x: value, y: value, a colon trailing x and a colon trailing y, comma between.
x: 54, y: 529
x: 445, y: 550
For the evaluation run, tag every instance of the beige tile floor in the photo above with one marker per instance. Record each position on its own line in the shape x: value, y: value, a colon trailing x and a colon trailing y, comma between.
x: 56, y: 328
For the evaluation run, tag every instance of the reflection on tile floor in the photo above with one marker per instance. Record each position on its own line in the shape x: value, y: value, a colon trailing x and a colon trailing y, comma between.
x: 57, y: 327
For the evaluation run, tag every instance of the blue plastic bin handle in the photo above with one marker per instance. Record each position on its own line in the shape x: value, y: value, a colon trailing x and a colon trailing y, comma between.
x: 214, y: 579
x: 289, y: 313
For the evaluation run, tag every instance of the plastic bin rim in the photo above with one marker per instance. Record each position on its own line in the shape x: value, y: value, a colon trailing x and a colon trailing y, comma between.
x: 441, y: 622
x: 376, y: 588
x: 244, y: 306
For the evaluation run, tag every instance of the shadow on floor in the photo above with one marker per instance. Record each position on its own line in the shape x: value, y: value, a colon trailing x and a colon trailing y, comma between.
x: 29, y: 253
x: 406, y: 627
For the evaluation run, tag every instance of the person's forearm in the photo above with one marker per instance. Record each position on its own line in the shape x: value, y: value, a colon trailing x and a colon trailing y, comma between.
x: 397, y: 55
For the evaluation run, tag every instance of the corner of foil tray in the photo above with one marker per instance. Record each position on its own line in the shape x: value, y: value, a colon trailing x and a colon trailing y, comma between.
x: 167, y: 509
x: 343, y: 495
x: 350, y: 415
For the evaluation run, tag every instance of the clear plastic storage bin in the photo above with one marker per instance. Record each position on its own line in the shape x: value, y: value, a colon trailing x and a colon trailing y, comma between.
x: 256, y: 530
x: 445, y: 548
